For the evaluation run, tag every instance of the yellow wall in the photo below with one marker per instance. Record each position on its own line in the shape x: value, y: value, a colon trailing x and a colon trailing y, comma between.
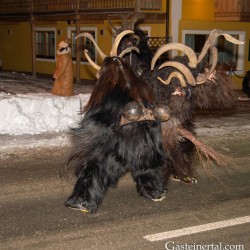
x: 198, y: 10
x: 15, y: 47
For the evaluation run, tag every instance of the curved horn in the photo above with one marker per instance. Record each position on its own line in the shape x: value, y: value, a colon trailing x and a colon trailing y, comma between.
x: 175, y: 46
x: 128, y: 50
x: 174, y: 74
x: 202, y: 78
x: 212, y: 37
x: 89, y: 36
x: 183, y: 69
x: 124, y: 24
x: 232, y: 39
x: 117, y: 41
x: 115, y: 30
x: 91, y: 62
x: 137, y: 17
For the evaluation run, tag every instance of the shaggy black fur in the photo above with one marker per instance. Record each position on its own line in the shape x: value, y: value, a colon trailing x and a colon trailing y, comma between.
x: 103, y: 150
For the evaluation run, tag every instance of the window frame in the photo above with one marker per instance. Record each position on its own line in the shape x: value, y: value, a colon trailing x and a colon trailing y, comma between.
x: 241, y: 48
x: 47, y: 29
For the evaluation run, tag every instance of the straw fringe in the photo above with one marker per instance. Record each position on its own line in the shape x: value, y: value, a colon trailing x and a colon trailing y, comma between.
x: 203, y: 150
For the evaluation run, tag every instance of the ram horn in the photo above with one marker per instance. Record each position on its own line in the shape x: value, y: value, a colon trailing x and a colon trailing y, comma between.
x: 177, y: 75
x: 89, y: 36
x: 128, y: 50
x: 91, y: 62
x: 175, y: 46
x: 183, y: 69
x: 211, y: 39
x: 116, y: 30
x: 124, y: 24
x: 118, y: 40
x: 202, y: 78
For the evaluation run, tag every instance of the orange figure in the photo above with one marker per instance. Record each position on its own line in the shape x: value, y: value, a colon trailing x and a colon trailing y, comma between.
x: 64, y: 74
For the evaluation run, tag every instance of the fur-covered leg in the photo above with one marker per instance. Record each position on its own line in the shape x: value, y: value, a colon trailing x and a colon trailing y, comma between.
x: 93, y: 182
x: 147, y: 160
x: 180, y: 150
x: 151, y: 182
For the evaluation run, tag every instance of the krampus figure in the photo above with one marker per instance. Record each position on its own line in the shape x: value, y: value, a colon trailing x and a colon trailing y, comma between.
x: 182, y: 86
x: 189, y: 84
x: 118, y: 133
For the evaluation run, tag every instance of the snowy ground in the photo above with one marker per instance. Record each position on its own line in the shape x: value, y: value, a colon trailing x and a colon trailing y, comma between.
x: 28, y: 107
x: 31, y: 117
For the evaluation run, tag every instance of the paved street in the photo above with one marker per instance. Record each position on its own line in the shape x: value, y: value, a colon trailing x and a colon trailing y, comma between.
x: 34, y: 187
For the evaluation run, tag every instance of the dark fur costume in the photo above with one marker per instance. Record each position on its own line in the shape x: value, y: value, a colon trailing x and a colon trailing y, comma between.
x: 103, y: 150
x: 179, y: 149
x: 182, y: 102
x: 178, y: 100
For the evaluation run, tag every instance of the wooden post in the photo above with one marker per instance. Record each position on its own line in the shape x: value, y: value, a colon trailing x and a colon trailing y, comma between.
x: 167, y: 20
x: 78, y: 52
x: 33, y: 41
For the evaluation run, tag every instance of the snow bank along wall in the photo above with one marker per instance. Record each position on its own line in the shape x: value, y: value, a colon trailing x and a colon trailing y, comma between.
x: 39, y: 113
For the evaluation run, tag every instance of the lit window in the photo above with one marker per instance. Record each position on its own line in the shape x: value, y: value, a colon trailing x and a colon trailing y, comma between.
x: 45, y: 44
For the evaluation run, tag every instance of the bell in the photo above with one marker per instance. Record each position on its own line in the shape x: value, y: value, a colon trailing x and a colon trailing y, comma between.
x: 161, y: 113
x: 133, y: 111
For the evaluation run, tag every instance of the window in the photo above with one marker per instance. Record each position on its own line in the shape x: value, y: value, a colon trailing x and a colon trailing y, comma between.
x: 230, y: 56
x: 45, y: 44
x: 84, y: 43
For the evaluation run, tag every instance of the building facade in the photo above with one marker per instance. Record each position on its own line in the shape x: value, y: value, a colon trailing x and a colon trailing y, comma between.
x: 31, y: 29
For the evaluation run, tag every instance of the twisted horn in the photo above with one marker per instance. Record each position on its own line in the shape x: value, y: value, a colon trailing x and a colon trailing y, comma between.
x: 212, y: 37
x: 177, y: 75
x: 183, y: 69
x: 175, y: 46
x: 117, y: 41
x: 88, y: 35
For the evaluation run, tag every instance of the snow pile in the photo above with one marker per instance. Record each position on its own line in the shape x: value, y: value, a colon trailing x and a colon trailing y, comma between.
x: 37, y: 113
